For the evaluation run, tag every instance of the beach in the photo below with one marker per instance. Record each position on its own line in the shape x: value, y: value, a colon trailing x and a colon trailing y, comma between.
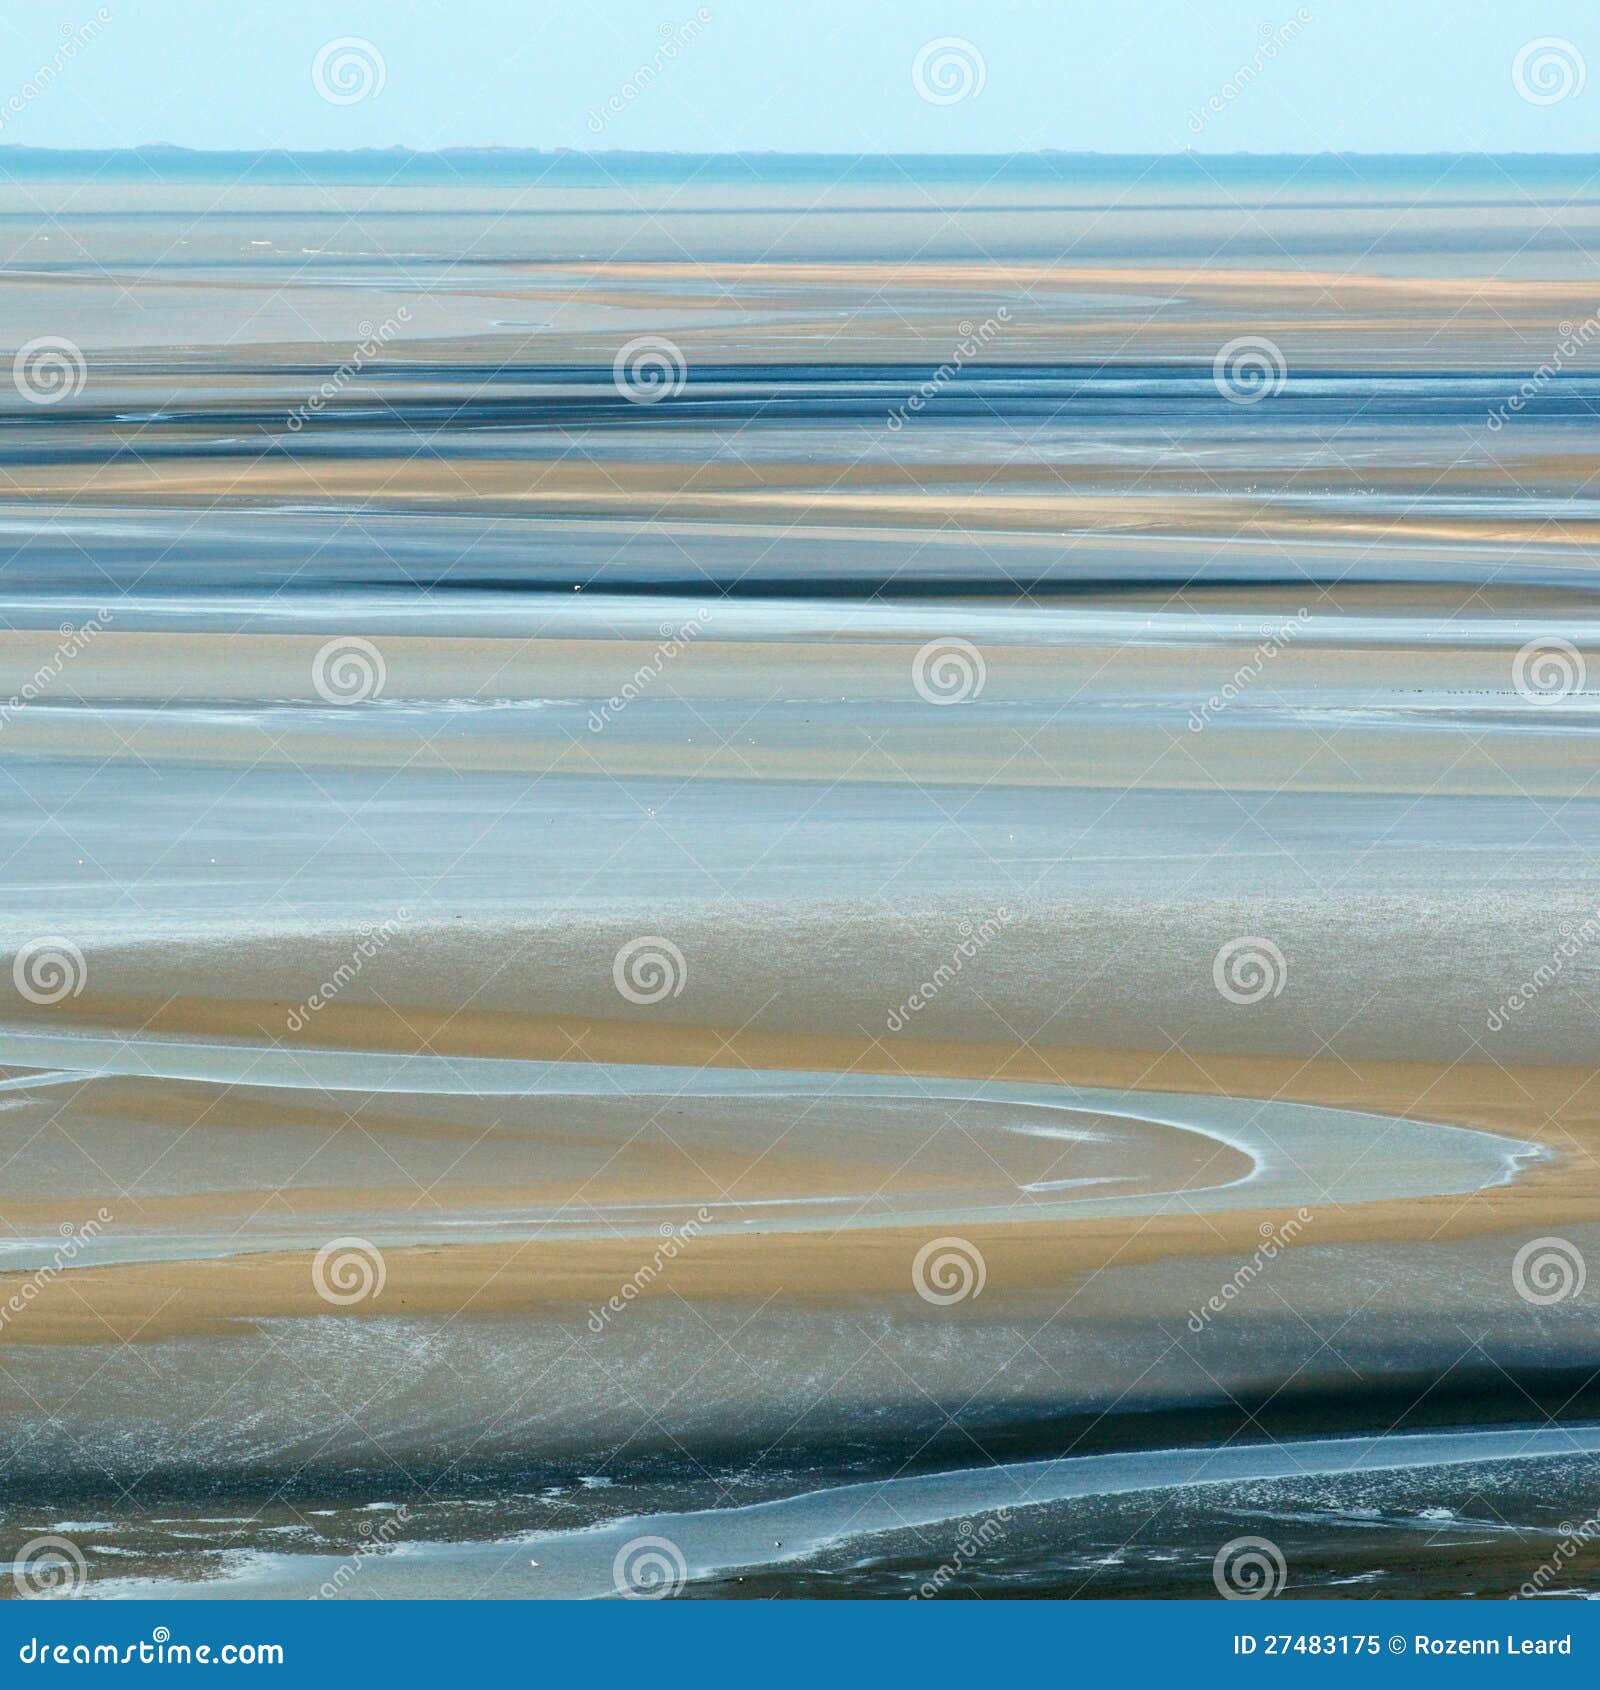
x: 764, y: 895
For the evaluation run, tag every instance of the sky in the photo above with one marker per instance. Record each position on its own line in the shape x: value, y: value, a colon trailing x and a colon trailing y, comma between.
x: 806, y: 75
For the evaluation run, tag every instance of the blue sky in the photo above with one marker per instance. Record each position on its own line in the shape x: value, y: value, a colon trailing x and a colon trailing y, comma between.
x: 807, y: 75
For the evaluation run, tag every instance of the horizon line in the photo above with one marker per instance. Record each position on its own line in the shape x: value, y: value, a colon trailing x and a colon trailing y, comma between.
x: 14, y: 148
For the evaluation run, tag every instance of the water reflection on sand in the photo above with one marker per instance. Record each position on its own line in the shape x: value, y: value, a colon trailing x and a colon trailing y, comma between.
x: 1113, y: 866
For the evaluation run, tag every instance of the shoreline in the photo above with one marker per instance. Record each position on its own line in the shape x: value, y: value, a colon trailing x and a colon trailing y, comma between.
x: 142, y: 1301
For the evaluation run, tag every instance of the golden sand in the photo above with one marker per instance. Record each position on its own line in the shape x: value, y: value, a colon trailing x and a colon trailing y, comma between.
x: 1558, y: 1107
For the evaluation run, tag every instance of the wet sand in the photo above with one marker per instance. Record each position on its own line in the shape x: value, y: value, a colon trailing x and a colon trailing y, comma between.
x: 941, y: 684
x: 640, y: 1552
x: 1043, y: 1210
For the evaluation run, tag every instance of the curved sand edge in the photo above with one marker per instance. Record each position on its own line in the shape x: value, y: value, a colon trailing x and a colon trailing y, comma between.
x: 1552, y: 1107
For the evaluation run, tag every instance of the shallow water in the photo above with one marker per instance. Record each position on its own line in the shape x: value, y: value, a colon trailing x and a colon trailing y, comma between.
x: 870, y: 795
x: 861, y: 1536
x: 1039, y: 1153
